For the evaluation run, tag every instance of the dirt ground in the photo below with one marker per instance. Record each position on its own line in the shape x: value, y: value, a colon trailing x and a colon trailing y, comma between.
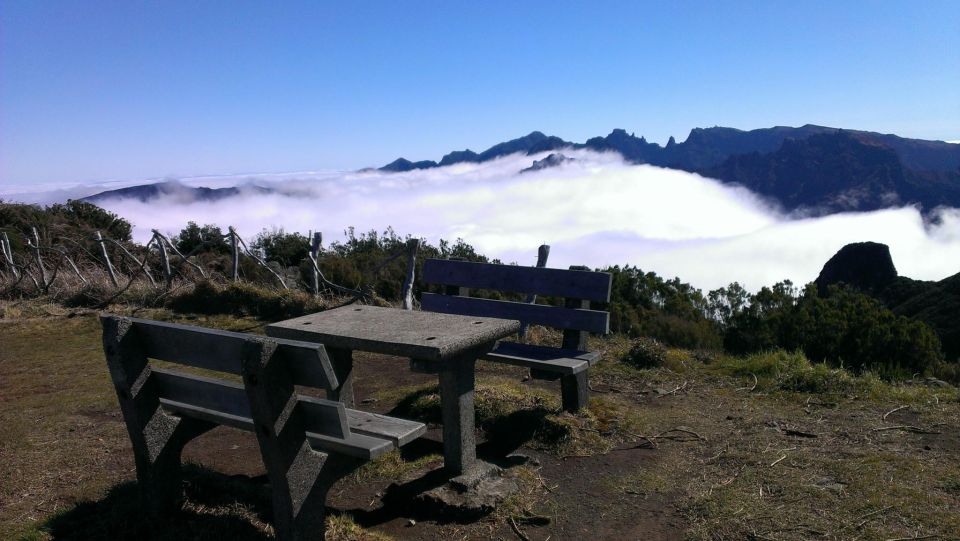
x: 678, y: 452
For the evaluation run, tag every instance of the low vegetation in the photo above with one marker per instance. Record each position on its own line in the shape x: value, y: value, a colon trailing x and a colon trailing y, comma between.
x: 767, y: 446
x: 782, y: 414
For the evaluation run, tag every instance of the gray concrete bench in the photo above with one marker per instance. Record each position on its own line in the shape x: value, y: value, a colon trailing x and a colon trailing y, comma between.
x: 306, y: 443
x: 578, y: 286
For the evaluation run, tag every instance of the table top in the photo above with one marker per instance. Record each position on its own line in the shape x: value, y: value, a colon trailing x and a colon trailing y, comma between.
x: 392, y: 331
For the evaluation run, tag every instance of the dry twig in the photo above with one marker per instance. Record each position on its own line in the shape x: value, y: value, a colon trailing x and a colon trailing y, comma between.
x: 894, y: 410
x: 516, y: 529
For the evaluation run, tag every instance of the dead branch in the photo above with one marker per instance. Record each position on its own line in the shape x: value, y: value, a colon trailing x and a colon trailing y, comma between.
x: 257, y: 259
x: 133, y: 277
x: 894, y: 410
x: 866, y: 518
x: 907, y: 428
x: 174, y: 248
x: 678, y: 388
x: 143, y: 265
x: 516, y: 529
x: 357, y: 294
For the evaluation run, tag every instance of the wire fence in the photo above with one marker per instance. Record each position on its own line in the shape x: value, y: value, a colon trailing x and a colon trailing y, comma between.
x: 71, y: 263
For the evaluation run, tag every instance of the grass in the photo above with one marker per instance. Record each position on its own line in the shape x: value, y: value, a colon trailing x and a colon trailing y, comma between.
x: 513, y: 414
x: 785, y: 448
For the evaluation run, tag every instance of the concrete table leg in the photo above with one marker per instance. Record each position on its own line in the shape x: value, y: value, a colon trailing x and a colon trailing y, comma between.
x: 456, y: 400
x: 342, y: 361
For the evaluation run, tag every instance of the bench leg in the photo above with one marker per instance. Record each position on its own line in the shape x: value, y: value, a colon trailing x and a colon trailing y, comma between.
x: 157, y: 438
x: 300, y: 477
x: 342, y: 360
x: 456, y: 401
x: 299, y: 493
x: 574, y: 389
x: 158, y: 465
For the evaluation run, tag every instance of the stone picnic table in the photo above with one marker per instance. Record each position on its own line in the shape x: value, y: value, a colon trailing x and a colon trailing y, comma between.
x: 437, y: 343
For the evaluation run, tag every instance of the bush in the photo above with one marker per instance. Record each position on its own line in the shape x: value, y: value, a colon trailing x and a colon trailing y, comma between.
x: 646, y: 353
x: 844, y: 328
x: 786, y: 371
x: 288, y: 249
x: 195, y: 239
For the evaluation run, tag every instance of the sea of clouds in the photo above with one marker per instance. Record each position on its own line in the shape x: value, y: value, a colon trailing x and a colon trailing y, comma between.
x: 596, y: 211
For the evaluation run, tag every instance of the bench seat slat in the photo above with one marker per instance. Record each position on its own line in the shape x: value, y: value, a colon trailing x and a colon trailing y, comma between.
x: 356, y: 445
x: 553, y: 316
x: 399, y: 431
x: 571, y: 284
x: 548, y: 359
x: 222, y: 402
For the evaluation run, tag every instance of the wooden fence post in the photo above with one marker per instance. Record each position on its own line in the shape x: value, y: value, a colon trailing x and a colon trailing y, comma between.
x: 8, y: 255
x: 236, y: 254
x: 542, y: 254
x: 314, y: 253
x: 106, y: 259
x: 164, y: 261
x: 413, y: 245
x: 35, y: 244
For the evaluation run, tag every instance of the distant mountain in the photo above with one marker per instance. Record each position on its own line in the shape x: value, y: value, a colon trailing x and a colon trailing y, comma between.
x: 552, y: 160
x: 529, y: 144
x: 868, y: 267
x: 816, y: 168
x: 184, y: 194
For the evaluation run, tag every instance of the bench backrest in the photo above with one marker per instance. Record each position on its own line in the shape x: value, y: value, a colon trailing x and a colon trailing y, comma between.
x: 577, y: 287
x: 277, y: 364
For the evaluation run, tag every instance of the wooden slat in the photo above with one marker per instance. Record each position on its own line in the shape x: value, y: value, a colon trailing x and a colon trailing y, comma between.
x: 218, y: 417
x: 223, y: 351
x: 399, y: 431
x: 356, y: 445
x: 533, y: 351
x: 203, y: 392
x: 574, y: 284
x: 219, y: 396
x: 547, y: 359
x: 551, y: 316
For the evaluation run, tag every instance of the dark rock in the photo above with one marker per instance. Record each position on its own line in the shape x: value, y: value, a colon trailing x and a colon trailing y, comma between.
x: 552, y: 160
x: 867, y: 266
x: 469, y: 496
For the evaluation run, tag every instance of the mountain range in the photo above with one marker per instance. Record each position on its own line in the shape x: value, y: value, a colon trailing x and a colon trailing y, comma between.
x: 814, y: 168
x: 174, y: 189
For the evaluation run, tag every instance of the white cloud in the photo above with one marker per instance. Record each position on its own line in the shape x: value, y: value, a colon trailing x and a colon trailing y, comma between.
x: 594, y: 211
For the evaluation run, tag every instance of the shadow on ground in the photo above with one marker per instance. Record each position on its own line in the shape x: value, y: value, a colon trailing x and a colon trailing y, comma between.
x: 217, y: 507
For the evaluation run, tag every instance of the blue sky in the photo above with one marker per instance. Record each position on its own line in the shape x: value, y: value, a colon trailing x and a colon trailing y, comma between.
x: 93, y: 91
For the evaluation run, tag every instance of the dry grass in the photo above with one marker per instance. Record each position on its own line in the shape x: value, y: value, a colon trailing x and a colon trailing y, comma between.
x: 763, y: 447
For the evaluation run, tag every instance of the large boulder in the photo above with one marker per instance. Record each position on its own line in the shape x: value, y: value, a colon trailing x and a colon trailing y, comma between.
x: 866, y: 266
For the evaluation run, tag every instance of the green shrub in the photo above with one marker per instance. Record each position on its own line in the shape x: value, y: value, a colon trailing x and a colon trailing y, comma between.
x: 786, y: 371
x: 646, y: 353
x: 288, y: 249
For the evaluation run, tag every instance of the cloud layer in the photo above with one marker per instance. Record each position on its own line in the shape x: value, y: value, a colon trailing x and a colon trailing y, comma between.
x: 595, y: 210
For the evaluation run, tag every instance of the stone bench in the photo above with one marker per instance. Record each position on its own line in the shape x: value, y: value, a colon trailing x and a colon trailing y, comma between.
x: 578, y: 286
x: 306, y: 443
